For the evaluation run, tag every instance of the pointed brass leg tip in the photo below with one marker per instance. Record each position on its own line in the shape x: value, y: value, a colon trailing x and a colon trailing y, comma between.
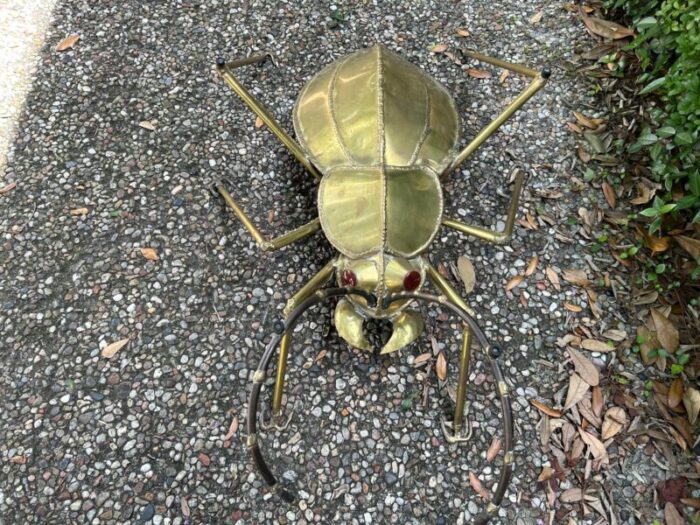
x: 456, y: 437
x: 279, y: 422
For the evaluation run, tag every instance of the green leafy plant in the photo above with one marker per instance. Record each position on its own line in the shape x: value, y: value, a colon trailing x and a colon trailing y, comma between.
x: 667, y: 46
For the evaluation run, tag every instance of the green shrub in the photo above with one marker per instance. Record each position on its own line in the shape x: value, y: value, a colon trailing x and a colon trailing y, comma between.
x: 668, y: 47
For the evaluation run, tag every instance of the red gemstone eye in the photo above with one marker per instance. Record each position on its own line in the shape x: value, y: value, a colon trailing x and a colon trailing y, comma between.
x: 348, y: 278
x: 411, y: 281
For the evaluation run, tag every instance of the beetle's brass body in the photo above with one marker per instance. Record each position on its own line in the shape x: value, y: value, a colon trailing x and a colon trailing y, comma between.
x: 379, y: 134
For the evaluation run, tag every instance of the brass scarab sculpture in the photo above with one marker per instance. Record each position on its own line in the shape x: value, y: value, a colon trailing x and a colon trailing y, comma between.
x: 379, y: 133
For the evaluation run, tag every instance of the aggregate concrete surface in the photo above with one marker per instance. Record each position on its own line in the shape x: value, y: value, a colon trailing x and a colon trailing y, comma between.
x: 140, y: 437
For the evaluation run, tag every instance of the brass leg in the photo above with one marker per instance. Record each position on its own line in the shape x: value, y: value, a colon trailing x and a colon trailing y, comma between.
x: 292, y: 145
x: 307, y: 290
x: 460, y: 434
x: 446, y: 288
x: 491, y: 235
x: 273, y: 244
x: 538, y: 82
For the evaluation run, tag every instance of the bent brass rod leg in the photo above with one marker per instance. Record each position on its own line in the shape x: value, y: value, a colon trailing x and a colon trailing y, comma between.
x: 273, y: 244
x: 463, y: 380
x: 446, y: 288
x: 310, y: 287
x: 492, y: 354
x: 488, y: 130
x: 260, y: 110
x: 493, y: 236
x: 261, y: 371
x: 517, y: 68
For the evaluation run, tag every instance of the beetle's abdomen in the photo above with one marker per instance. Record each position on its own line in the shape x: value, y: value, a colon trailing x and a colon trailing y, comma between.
x: 374, y: 108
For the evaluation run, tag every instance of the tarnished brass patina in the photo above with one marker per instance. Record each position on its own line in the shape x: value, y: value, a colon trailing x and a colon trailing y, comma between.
x: 379, y: 134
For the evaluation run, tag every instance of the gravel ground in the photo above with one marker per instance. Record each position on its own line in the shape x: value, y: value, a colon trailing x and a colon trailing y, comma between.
x: 140, y: 437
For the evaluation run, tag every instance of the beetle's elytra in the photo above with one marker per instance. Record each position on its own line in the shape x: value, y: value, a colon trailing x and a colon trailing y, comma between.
x: 379, y: 134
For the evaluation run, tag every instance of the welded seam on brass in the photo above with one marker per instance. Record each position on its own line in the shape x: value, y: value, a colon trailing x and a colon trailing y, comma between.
x: 382, y: 168
x: 331, y: 110
x: 426, y: 128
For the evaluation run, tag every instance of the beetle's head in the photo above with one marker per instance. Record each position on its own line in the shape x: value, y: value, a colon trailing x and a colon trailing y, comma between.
x: 381, y: 275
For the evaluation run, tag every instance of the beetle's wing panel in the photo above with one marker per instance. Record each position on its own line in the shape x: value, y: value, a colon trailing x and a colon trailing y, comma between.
x: 421, y: 124
x: 375, y: 108
x: 355, y: 108
x: 312, y: 114
x: 413, y: 210
x: 351, y: 210
x: 367, y: 210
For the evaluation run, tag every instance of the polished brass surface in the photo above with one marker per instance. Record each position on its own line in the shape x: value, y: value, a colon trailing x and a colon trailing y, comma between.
x: 407, y: 327
x: 493, y: 236
x: 375, y: 109
x: 517, y: 68
x: 488, y: 130
x: 273, y: 244
x: 363, y: 211
x: 260, y: 110
x: 445, y: 287
x: 349, y: 323
x: 463, y: 379
x: 305, y: 291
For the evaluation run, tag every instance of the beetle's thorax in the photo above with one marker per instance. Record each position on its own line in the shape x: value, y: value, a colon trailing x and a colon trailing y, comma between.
x: 380, y: 274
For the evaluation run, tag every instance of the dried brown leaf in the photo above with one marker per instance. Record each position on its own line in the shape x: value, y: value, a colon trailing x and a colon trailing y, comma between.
x: 573, y: 307
x: 577, y: 389
x: 545, y: 409
x: 8, y: 188
x: 553, y: 277
x: 478, y: 487
x: 588, y: 122
x: 438, y: 48
x: 585, y: 367
x: 460, y: 31
x: 571, y: 495
x: 465, y: 268
x: 149, y: 254
x: 493, y: 450
x: 534, y: 19
x: 605, y: 28
x: 547, y: 473
x: 111, y: 349
x: 441, y: 366
x: 67, y: 43
x: 503, y: 76
x: 79, y: 211
x: 423, y: 358
x: 596, y: 446
x: 147, y: 124
x: 690, y: 245
x: 478, y: 73
x: 610, y: 194
x: 596, y: 346
x: 513, y: 282
x: 597, y: 401
x: 232, y: 429
x: 666, y: 332
x: 577, y: 277
x: 675, y: 393
x: 671, y: 515
x: 532, y: 266
x: 691, y: 402
x: 615, y: 420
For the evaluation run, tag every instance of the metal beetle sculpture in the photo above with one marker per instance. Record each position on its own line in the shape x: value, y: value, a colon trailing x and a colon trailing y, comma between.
x: 378, y: 133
